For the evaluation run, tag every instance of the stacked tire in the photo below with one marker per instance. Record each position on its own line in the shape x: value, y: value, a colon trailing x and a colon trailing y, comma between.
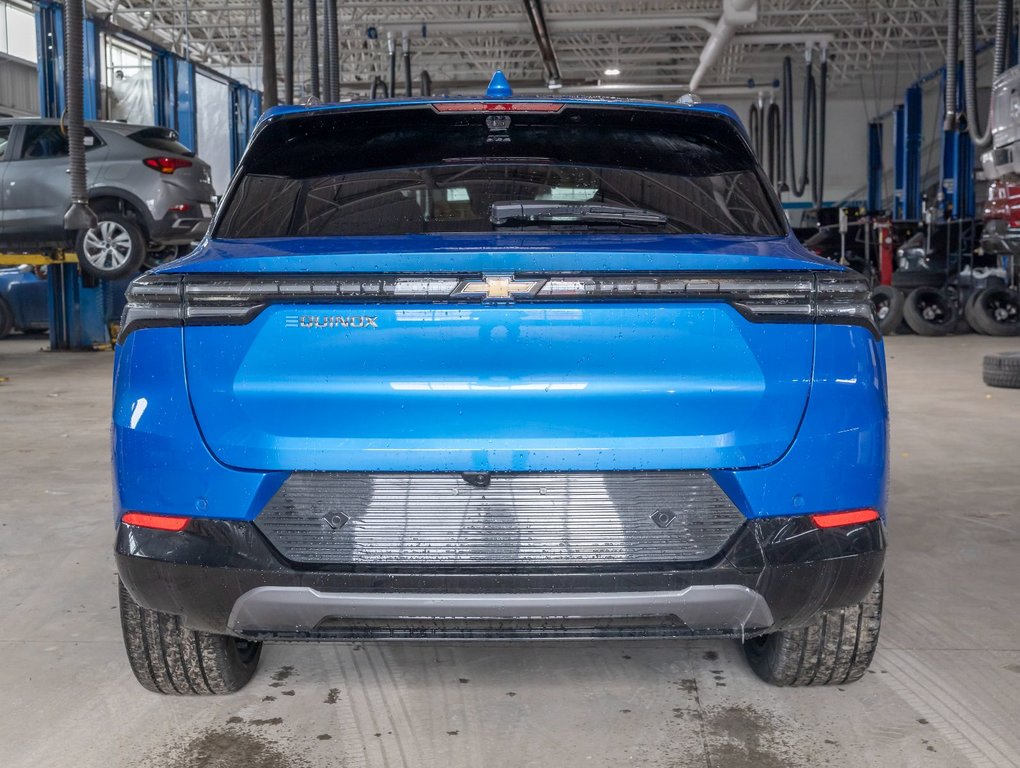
x: 931, y: 311
x: 994, y: 312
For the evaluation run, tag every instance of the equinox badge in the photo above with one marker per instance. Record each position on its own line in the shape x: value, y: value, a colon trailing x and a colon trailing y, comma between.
x: 331, y: 321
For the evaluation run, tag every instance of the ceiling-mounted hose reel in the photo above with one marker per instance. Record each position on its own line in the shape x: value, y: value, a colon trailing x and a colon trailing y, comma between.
x: 772, y: 134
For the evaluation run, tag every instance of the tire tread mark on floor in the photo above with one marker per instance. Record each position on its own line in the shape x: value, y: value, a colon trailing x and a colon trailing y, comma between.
x: 921, y: 687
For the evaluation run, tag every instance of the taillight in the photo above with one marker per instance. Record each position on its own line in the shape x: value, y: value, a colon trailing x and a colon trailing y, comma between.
x: 842, y: 519
x: 840, y: 298
x: 167, y: 164
x: 157, y: 522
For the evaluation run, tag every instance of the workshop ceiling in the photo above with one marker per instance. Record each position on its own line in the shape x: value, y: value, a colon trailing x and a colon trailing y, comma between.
x: 878, y: 44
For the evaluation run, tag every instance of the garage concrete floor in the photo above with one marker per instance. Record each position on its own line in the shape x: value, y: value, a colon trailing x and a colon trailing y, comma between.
x: 944, y: 690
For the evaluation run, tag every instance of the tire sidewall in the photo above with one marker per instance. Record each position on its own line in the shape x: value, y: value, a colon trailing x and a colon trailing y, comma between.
x: 894, y: 317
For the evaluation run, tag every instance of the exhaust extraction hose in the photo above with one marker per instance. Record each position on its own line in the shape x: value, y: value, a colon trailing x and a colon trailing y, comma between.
x: 78, y: 215
x: 952, y: 62
x: 982, y: 138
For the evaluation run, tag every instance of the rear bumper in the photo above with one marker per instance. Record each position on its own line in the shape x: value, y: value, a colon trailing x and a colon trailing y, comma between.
x: 179, y: 228
x: 223, y: 576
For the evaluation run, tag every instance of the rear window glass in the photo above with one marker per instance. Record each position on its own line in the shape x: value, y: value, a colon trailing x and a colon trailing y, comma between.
x: 416, y: 171
x: 161, y: 140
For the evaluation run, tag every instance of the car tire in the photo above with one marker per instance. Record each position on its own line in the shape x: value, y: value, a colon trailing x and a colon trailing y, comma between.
x: 834, y: 649
x: 169, y: 658
x: 995, y: 312
x: 909, y: 279
x: 6, y: 319
x: 113, y: 249
x: 1002, y: 370
x: 930, y: 312
x: 888, y: 303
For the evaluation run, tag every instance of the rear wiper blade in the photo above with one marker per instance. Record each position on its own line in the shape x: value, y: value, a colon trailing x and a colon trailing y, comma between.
x: 541, y: 212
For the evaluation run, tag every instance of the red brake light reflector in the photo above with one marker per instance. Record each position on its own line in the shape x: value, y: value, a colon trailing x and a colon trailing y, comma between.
x: 497, y: 106
x: 166, y: 164
x: 159, y: 522
x: 839, y: 519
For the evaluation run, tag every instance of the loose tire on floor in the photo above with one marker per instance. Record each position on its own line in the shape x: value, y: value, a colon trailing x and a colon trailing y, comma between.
x: 835, y: 649
x: 6, y: 319
x: 1002, y: 370
x: 113, y: 249
x: 169, y: 658
x: 888, y: 303
x: 930, y: 312
x: 995, y: 312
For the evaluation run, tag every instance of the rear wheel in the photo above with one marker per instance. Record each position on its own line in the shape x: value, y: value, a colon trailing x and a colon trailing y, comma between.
x: 112, y: 249
x: 995, y: 312
x: 930, y: 312
x: 169, y: 658
x: 888, y: 303
x: 834, y: 649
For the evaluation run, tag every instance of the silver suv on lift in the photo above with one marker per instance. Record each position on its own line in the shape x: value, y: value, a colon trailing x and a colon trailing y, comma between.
x: 150, y: 193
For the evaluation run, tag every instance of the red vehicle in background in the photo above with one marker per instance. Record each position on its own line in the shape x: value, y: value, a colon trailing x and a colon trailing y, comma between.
x: 996, y: 309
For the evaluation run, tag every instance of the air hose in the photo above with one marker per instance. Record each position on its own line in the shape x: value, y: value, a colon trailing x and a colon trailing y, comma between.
x: 765, y: 126
x: 813, y: 111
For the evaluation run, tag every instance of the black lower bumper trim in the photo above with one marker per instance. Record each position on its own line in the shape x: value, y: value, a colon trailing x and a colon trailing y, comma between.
x: 202, y: 573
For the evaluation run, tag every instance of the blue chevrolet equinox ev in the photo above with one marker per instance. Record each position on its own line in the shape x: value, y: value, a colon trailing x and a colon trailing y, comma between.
x: 499, y: 368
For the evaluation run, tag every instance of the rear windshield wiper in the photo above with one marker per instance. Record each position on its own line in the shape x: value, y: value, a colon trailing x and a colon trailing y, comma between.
x: 542, y: 212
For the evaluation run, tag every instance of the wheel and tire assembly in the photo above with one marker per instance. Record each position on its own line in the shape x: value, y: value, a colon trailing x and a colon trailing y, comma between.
x: 834, y: 649
x: 1002, y: 370
x: 995, y: 312
x: 169, y: 658
x: 112, y: 249
x: 6, y: 319
x: 930, y: 312
x: 888, y: 303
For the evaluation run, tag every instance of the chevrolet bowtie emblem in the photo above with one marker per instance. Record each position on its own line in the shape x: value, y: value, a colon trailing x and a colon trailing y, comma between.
x: 497, y: 288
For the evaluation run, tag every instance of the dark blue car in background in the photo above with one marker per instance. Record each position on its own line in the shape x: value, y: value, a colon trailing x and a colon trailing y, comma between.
x: 499, y: 369
x: 22, y: 300
x: 24, y: 297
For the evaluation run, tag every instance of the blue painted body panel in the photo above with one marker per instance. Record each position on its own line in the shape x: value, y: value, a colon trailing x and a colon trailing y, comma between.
x: 587, y: 386
x: 161, y: 462
x: 790, y: 418
x: 492, y: 253
x: 837, y: 461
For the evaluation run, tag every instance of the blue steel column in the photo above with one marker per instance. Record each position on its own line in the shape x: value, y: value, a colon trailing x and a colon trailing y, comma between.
x: 899, y: 162
x: 957, y: 170
x: 76, y: 314
x: 173, y: 90
x: 874, y: 166
x: 49, y: 28
x: 912, y: 149
x: 186, y: 121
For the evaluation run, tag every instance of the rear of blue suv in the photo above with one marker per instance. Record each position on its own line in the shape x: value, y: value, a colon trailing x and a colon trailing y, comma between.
x: 494, y: 369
